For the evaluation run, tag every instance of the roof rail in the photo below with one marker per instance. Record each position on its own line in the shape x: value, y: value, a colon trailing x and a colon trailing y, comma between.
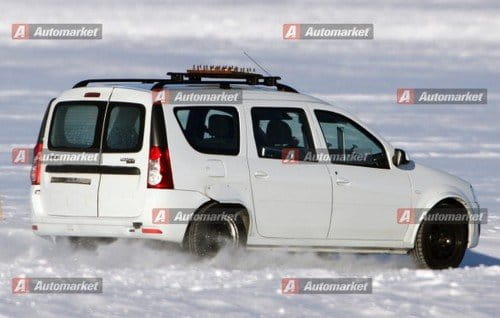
x: 224, y: 77
x: 117, y: 80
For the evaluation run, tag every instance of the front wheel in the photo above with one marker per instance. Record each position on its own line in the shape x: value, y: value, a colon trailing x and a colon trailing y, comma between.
x: 440, y: 245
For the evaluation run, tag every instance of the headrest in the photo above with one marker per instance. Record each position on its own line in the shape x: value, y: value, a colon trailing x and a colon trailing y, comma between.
x: 278, y: 133
x: 220, y: 126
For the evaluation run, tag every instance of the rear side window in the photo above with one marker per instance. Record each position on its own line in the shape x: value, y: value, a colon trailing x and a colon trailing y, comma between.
x: 210, y: 130
x: 75, y: 126
x: 124, y: 131
x: 276, y: 129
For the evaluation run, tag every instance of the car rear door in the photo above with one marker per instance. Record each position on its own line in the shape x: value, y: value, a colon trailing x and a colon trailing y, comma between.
x: 124, y: 158
x: 291, y: 199
x: 70, y: 157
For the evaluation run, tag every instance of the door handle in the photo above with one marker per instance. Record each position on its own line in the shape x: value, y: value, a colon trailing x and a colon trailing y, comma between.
x: 260, y: 174
x: 342, y: 181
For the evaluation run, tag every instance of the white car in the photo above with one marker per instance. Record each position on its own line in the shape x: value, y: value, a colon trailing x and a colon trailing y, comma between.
x: 218, y: 156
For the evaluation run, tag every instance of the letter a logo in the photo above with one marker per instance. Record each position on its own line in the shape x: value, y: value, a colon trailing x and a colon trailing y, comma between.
x: 405, y: 96
x: 291, y: 31
x: 162, y: 96
x: 161, y: 216
x: 20, y: 285
x: 290, y: 155
x: 405, y: 216
x: 21, y: 156
x: 20, y: 31
x: 290, y: 286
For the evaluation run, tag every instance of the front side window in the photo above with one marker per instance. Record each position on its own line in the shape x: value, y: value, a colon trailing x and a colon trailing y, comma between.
x: 210, y: 130
x: 125, y: 127
x: 75, y: 126
x: 349, y: 143
x: 276, y: 129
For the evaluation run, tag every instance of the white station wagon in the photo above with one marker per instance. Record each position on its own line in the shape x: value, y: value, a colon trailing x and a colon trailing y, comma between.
x: 219, y: 156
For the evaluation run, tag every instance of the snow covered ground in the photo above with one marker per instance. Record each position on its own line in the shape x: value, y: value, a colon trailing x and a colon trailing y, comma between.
x: 419, y: 44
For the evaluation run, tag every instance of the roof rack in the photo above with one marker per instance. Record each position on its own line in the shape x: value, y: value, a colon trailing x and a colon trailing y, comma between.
x: 117, y: 80
x: 224, y: 77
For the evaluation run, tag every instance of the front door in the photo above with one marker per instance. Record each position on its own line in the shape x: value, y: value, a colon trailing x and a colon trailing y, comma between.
x: 367, y: 191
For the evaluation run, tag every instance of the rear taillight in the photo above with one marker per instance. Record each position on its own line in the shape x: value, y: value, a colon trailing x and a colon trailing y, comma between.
x: 36, y: 168
x: 160, y: 169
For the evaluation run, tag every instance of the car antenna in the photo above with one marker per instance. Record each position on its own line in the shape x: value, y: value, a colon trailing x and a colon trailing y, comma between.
x: 255, y: 62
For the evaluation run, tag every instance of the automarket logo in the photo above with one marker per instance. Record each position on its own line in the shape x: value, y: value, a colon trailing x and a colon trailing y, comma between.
x: 441, y: 215
x: 184, y: 215
x: 328, y: 31
x: 322, y: 156
x: 23, y: 31
x: 447, y: 96
x: 24, y: 156
x: 46, y: 285
x: 290, y: 286
x: 197, y: 97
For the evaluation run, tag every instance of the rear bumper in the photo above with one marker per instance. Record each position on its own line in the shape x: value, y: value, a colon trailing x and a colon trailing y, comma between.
x: 57, y: 227
x: 146, y: 225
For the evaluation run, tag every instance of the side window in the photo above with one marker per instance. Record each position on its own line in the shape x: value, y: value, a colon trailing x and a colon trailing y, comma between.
x: 124, y: 129
x: 210, y: 130
x: 75, y: 126
x: 349, y: 143
x: 275, y: 129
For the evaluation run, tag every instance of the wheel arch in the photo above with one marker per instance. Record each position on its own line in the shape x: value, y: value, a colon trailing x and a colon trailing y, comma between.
x: 454, y: 199
x: 213, y: 203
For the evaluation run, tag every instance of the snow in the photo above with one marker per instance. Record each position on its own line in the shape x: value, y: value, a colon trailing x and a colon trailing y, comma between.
x: 419, y: 44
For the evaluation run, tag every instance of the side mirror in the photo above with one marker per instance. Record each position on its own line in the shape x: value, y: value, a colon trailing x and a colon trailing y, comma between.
x: 400, y: 157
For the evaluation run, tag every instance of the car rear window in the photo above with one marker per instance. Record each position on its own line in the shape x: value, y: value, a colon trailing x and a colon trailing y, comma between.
x: 211, y: 130
x: 74, y: 126
x: 124, y: 131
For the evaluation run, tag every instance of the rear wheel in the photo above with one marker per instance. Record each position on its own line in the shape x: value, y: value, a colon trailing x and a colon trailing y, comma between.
x: 216, y: 227
x: 440, y: 245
